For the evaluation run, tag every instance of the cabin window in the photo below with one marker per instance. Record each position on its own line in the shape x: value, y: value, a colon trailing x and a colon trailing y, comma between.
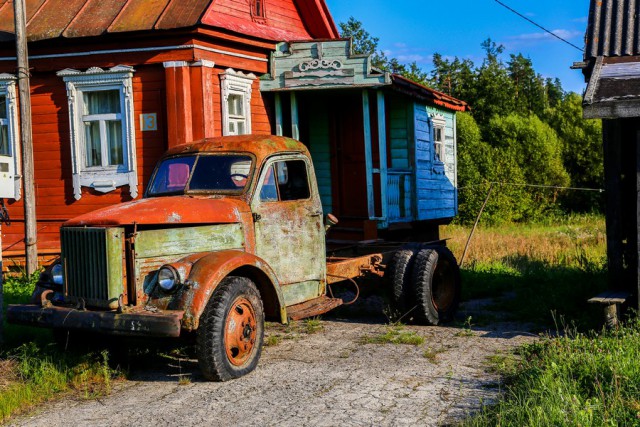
x: 439, y: 122
x: 289, y: 181
x: 236, y: 102
x: 103, y: 151
x: 9, y: 154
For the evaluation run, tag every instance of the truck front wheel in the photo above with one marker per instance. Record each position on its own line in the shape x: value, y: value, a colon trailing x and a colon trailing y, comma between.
x: 231, y: 331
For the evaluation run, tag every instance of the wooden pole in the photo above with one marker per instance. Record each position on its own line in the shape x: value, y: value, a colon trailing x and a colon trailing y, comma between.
x: 30, y: 237
x: 466, y: 247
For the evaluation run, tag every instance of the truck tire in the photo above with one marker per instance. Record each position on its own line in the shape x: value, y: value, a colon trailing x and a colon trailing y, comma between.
x: 229, y: 338
x: 399, y: 275
x: 436, y: 281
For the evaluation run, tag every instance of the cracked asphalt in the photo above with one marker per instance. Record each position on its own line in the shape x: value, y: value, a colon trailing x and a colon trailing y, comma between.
x: 327, y: 378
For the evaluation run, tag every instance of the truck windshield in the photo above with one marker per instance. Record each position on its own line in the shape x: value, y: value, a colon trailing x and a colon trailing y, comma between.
x: 227, y: 173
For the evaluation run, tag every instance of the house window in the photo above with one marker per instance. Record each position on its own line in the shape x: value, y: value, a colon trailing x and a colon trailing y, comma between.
x: 236, y: 102
x: 439, y: 123
x: 258, y: 12
x: 102, y: 129
x: 9, y: 154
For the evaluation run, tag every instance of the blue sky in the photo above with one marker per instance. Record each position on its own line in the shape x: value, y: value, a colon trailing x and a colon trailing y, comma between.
x: 412, y: 30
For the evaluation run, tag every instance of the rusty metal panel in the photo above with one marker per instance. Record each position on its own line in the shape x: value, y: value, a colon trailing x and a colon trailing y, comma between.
x: 52, y: 18
x: 94, y: 18
x: 187, y: 240
x: 182, y: 14
x: 138, y: 15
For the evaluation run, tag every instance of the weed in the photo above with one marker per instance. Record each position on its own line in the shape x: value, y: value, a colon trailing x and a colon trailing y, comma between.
x: 272, y: 340
x: 184, y: 380
x: 431, y: 354
x: 394, y: 335
x: 313, y: 325
x: 466, y: 329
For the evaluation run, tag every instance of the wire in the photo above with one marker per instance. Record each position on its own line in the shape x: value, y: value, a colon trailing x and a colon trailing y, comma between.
x: 516, y: 184
x: 539, y: 26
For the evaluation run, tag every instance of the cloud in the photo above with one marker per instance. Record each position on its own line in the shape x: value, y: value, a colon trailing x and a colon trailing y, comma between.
x: 413, y: 58
x: 582, y: 20
x: 565, y: 34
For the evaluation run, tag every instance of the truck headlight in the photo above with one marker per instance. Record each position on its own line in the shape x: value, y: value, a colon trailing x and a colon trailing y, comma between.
x: 57, y: 275
x: 168, y: 278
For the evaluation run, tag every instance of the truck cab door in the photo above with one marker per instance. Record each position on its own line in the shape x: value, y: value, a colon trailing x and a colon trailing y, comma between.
x: 289, y: 227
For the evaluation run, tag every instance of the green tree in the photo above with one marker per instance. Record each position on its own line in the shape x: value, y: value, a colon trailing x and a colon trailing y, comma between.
x: 363, y: 42
x: 530, y: 95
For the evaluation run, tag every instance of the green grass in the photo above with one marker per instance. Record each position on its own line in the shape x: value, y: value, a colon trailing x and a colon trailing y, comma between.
x: 394, y: 335
x: 575, y: 380
x: 33, y: 370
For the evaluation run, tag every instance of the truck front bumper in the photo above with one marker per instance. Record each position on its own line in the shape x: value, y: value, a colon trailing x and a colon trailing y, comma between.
x: 138, y: 323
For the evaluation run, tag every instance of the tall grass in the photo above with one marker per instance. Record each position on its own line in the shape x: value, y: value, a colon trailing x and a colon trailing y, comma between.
x: 536, y: 271
x: 33, y: 370
x: 573, y: 380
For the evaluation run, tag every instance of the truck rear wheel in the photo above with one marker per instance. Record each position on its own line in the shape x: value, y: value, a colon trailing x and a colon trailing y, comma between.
x: 399, y: 273
x: 231, y: 331
x: 436, y: 281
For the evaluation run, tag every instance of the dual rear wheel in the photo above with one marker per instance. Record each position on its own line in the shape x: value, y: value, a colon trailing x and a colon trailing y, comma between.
x: 425, y: 284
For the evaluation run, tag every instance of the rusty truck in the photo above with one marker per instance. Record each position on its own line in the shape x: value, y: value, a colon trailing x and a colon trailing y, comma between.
x: 230, y: 232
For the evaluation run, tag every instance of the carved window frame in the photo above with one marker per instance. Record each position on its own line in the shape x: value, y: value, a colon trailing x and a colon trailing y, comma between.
x: 8, y: 90
x: 236, y: 83
x: 439, y: 124
x: 103, y: 179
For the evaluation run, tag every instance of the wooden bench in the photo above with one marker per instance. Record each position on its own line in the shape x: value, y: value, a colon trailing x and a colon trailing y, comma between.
x: 610, y: 300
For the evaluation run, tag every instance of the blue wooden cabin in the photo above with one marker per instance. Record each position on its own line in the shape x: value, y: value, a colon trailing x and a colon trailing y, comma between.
x: 384, y: 147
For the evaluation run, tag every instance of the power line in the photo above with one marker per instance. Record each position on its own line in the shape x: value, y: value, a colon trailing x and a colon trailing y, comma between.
x: 516, y: 184
x: 539, y: 26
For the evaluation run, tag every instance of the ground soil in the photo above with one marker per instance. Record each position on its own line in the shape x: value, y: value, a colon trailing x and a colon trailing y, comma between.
x: 325, y: 378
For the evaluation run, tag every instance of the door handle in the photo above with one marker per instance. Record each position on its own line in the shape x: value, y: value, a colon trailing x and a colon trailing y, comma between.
x: 315, y: 213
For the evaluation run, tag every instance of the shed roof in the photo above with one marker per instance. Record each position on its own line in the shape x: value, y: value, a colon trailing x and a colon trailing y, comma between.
x: 613, y: 28
x: 50, y: 19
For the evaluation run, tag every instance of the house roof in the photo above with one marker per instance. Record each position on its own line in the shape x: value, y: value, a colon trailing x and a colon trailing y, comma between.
x: 613, y: 28
x: 426, y: 93
x: 50, y: 19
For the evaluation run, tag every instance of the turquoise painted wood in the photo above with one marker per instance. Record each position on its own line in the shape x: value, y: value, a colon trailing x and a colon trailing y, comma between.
x: 368, y: 155
x: 320, y: 149
x: 320, y: 65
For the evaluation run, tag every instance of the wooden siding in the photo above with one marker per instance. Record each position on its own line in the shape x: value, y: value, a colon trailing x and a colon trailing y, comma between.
x: 280, y: 15
x: 436, y: 193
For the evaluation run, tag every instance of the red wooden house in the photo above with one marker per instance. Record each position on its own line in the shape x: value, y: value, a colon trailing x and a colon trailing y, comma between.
x: 114, y: 83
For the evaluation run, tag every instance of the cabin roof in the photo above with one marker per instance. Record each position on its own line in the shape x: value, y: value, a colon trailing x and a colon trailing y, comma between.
x: 51, y: 19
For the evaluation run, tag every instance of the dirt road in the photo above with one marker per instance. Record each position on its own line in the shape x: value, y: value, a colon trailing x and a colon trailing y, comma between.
x: 327, y: 378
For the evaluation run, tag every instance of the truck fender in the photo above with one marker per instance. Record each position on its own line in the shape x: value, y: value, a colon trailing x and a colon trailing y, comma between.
x: 207, y: 273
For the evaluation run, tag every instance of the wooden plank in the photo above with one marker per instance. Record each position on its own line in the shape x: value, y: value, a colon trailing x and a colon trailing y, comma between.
x: 368, y: 153
x: 382, y: 152
x: 295, y: 130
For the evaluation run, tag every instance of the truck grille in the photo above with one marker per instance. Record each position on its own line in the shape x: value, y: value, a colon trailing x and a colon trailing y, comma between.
x: 92, y: 260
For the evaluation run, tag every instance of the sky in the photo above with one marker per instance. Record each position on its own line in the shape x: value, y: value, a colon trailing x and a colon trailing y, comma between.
x: 413, y: 30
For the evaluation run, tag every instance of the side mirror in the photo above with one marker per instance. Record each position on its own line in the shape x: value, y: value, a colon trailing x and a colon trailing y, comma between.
x: 329, y: 221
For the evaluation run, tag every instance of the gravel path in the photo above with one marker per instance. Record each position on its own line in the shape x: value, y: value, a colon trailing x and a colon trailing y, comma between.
x: 326, y: 378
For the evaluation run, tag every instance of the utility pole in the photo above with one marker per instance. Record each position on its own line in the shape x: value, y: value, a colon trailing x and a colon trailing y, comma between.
x: 29, y: 200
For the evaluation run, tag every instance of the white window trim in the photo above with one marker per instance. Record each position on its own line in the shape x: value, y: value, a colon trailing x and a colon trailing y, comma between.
x: 8, y: 89
x: 102, y: 179
x: 439, y: 122
x: 236, y: 83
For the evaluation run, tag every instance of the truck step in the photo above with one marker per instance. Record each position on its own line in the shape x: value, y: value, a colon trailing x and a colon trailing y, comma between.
x: 313, y: 307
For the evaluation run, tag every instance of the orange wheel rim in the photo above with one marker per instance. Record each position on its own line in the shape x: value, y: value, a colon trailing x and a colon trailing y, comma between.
x: 240, y: 331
